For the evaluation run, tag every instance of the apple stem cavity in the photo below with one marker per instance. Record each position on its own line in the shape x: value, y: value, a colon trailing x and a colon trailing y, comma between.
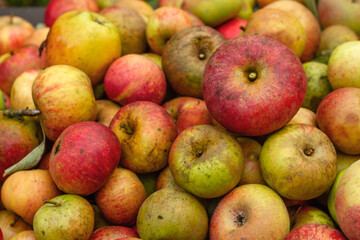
x: 56, y: 204
x: 98, y: 21
x: 127, y: 129
x: 252, y: 76
x: 308, y: 151
x: 17, y: 217
x: 19, y: 114
x: 240, y: 219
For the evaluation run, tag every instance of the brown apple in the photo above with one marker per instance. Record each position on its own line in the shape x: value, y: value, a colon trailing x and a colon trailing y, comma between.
x: 106, y: 111
x: 141, y: 7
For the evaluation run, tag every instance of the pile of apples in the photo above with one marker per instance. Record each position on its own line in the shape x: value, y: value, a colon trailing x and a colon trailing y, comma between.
x: 197, y: 119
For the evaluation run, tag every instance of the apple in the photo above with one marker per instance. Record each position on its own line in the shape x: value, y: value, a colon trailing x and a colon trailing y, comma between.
x: 38, y: 36
x: 21, y: 90
x: 121, y: 196
x: 345, y: 160
x: 347, y: 202
x: 172, y: 214
x: 164, y: 23
x: 244, y: 213
x: 304, y: 116
x: 11, y: 224
x: 263, y: 3
x: 307, y: 214
x: 64, y: 96
x: 332, y: 36
x: 2, y: 101
x: 55, y: 8
x: 146, y: 132
x: 23, y: 192
x: 17, y: 139
x: 315, y: 232
x: 343, y: 65
x: 154, y: 57
x: 185, y: 56
x: 131, y: 27
x: 251, y: 150
x: 14, y: 30
x: 90, y: 148
x: 293, y: 161
x: 332, y: 194
x: 206, y: 161
x: 166, y: 180
x: 44, y: 162
x: 343, y: 12
x: 187, y: 112
x: 318, y: 85
x: 106, y: 111
x: 232, y: 28
x: 141, y: 7
x: 133, y: 78
x: 246, y: 10
x: 337, y: 116
x: 280, y: 26
x: 112, y: 233
x: 24, y: 235
x: 289, y: 203
x: 89, y: 36
x: 253, y: 85
x: 99, y: 220
x: 18, y: 62
x: 195, y: 19
x: 66, y: 216
x: 309, y: 23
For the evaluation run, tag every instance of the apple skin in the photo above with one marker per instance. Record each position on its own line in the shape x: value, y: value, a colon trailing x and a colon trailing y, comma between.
x: 112, y: 233
x: 131, y: 27
x: 345, y: 160
x: 292, y: 162
x: 187, y: 112
x: 263, y: 3
x: 206, y: 161
x: 343, y: 65
x: 21, y: 90
x: 38, y: 36
x: 304, y: 116
x: 318, y: 85
x: 14, y: 31
x: 90, y: 148
x: 106, y: 111
x: 332, y: 194
x: 280, y: 26
x: 185, y: 56
x: 7, y: 219
x: 315, y: 232
x: 172, y: 214
x: 100, y: 220
x: 55, y: 8
x: 337, y: 117
x: 232, y: 28
x: 66, y: 216
x: 141, y: 7
x: 17, y: 139
x: 309, y: 23
x: 347, y: 200
x: 125, y: 83
x: 146, y: 132
x: 154, y: 57
x: 121, y: 197
x: 310, y: 215
x: 24, y: 191
x: 247, y: 107
x: 24, y: 235
x: 166, y: 180
x: 19, y: 61
x: 341, y: 12
x: 89, y: 36
x: 54, y: 92
x: 244, y: 213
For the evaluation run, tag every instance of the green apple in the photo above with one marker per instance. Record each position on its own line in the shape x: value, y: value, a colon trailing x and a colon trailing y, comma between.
x: 246, y: 10
x: 85, y: 40
x: 308, y: 215
x: 154, y: 57
x: 2, y: 101
x: 345, y: 160
x: 331, y: 196
x: 66, y: 216
x: 318, y: 85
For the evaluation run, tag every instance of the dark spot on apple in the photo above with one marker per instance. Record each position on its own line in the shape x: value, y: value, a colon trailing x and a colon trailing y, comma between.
x: 81, y: 151
x: 160, y: 217
x: 57, y: 149
x: 159, y: 129
x: 98, y: 21
x: 43, y: 232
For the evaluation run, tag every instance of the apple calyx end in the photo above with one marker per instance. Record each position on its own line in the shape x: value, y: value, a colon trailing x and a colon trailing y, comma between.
x: 127, y: 129
x: 252, y: 76
x: 240, y: 219
x: 308, y: 151
x: 201, y: 56
x: 56, y: 204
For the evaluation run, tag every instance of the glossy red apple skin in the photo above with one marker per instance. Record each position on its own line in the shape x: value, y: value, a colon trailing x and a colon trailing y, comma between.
x: 253, y: 108
x: 315, y: 232
x: 21, y: 60
x: 90, y: 148
x: 232, y: 28
x: 338, y: 117
x: 55, y: 8
x: 112, y: 232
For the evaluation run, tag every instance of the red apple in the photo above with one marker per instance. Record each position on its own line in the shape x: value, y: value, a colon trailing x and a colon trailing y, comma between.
x: 112, y: 233
x: 88, y: 148
x: 55, y: 8
x: 143, y: 8
x: 338, y: 116
x: 146, y: 132
x: 24, y: 235
x: 253, y: 85
x: 135, y: 78
x: 304, y: 116
x: 14, y: 31
x: 307, y: 214
x: 11, y: 224
x: 315, y: 232
x: 232, y: 28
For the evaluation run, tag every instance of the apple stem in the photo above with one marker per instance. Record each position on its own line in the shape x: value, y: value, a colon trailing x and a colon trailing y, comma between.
x: 243, y: 28
x: 11, y: 18
x: 17, y: 217
x: 127, y: 129
x: 52, y: 202
x: 19, y: 114
x: 252, y: 76
x: 201, y: 56
x: 308, y: 151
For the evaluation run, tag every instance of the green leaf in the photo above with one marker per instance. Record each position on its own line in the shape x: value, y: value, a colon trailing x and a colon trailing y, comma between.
x: 153, y: 3
x: 312, y: 6
x: 30, y: 160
